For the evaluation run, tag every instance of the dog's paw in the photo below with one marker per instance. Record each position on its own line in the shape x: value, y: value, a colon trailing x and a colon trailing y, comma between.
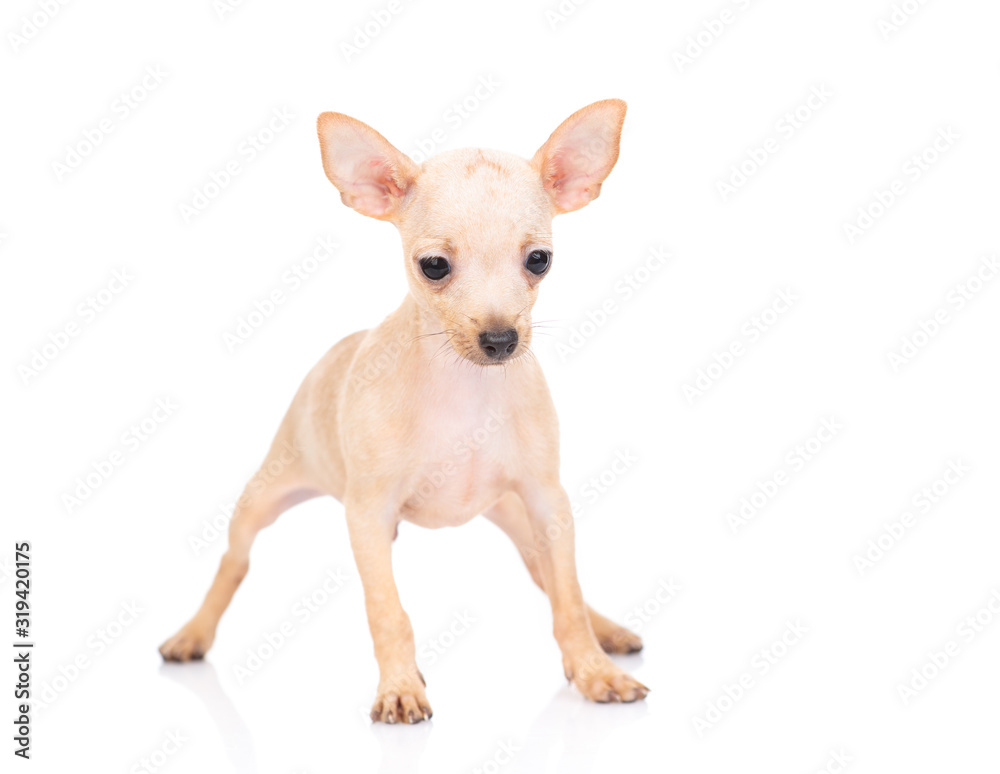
x: 600, y: 679
x: 401, y: 700
x: 614, y: 638
x: 189, y: 644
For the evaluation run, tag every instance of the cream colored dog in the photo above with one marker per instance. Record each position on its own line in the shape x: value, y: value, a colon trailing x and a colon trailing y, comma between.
x: 384, y: 421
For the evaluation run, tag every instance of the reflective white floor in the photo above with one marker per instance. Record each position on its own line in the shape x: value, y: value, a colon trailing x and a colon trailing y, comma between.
x: 822, y: 687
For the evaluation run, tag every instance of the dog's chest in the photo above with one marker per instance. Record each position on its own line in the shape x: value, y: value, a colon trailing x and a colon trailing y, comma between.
x: 461, y: 454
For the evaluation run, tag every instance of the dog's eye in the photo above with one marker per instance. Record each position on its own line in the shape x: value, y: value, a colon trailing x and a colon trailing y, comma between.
x: 435, y: 268
x: 538, y: 261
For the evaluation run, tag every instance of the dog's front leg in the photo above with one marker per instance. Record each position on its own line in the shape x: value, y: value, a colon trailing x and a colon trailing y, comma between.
x: 584, y: 662
x: 371, y: 522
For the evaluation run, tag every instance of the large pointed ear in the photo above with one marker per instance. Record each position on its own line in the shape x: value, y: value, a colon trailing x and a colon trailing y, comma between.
x: 580, y: 154
x: 372, y: 176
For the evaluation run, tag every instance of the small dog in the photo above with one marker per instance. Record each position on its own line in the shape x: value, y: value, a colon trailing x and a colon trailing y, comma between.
x: 383, y: 423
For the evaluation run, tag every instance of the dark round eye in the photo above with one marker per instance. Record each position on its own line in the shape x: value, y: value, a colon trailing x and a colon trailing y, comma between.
x: 435, y: 268
x: 538, y: 261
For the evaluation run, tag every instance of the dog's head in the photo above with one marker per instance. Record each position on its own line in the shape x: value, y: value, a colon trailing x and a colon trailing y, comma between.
x: 476, y: 224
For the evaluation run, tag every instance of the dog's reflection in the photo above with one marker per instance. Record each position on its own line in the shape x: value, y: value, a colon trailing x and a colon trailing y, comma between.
x: 569, y: 726
x: 402, y: 746
x: 574, y: 729
x: 201, y: 679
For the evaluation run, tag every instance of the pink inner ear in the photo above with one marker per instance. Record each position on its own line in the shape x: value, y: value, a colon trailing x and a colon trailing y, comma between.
x: 572, y: 178
x: 573, y: 193
x: 382, y: 173
x: 373, y: 187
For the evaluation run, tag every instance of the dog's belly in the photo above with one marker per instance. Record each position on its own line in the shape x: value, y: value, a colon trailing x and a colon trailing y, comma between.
x: 450, y: 492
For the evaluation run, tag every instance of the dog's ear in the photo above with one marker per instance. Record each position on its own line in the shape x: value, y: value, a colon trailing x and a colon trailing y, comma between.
x: 372, y: 176
x: 580, y: 154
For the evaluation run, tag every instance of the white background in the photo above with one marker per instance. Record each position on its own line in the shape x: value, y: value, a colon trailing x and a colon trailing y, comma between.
x: 834, y: 692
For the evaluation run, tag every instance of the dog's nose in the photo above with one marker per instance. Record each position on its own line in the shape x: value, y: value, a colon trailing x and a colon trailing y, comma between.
x: 498, y: 344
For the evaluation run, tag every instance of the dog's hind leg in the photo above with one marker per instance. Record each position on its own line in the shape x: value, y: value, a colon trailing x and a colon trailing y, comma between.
x: 276, y: 487
x: 508, y: 513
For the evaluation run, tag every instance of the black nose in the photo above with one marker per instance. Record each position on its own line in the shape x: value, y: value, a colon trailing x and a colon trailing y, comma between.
x: 498, y: 344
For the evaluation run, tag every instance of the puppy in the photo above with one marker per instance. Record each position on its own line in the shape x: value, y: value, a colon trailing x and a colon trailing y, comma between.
x: 384, y: 421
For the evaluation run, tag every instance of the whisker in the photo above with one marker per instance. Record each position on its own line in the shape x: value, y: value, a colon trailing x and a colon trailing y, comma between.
x: 444, y: 345
x: 437, y: 333
x: 438, y: 351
